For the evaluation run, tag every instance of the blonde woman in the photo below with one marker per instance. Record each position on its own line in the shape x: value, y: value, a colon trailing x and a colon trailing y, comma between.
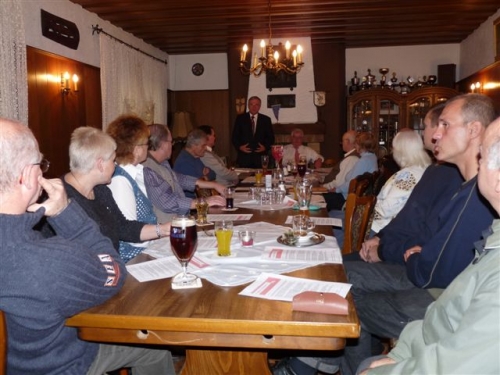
x: 92, y: 164
x: 409, y: 153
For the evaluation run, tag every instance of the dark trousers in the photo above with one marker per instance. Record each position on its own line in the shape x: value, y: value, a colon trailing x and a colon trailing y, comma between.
x: 334, y: 201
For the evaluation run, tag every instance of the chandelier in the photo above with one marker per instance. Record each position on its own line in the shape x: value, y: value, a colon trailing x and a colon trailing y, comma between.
x: 272, y: 60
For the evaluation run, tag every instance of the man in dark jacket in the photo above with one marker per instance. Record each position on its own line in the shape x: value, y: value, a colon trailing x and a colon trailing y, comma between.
x: 253, y: 135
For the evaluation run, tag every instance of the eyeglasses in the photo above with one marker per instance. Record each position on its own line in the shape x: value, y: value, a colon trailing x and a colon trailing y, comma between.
x: 44, y: 165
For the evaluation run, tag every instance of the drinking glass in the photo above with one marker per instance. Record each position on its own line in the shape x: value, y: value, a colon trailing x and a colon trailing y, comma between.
x: 302, y: 225
x: 304, y: 194
x: 258, y: 177
x: 277, y: 152
x: 302, y: 166
x: 183, y: 242
x: 201, y: 206
x: 265, y: 162
x: 224, y: 233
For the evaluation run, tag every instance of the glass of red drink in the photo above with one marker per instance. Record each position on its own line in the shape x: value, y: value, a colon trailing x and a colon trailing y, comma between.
x: 183, y: 242
x: 302, y: 166
x: 277, y: 152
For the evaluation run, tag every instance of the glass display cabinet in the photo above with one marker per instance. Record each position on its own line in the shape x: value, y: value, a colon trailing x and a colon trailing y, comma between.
x: 384, y: 112
x: 419, y: 102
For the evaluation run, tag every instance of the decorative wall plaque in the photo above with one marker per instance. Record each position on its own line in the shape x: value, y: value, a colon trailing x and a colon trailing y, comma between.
x: 60, y: 30
x: 285, y: 101
x: 280, y: 80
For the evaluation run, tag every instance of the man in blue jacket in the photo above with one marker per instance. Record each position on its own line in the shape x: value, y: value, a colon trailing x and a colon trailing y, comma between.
x: 389, y: 294
x: 44, y: 281
x: 459, y: 333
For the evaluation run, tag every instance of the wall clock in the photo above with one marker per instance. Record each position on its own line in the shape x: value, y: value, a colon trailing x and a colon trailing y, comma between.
x: 198, y: 69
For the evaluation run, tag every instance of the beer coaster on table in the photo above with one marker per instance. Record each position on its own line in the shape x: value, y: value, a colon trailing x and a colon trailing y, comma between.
x: 205, y: 224
x: 230, y: 209
x: 195, y: 284
x: 311, y: 207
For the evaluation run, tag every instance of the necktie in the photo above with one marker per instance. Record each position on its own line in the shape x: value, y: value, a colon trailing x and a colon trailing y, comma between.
x: 297, y: 156
x: 253, y: 124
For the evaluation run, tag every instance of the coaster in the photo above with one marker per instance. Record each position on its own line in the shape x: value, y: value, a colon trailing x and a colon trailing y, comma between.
x: 229, y: 209
x: 194, y: 285
x: 311, y: 207
x: 204, y: 225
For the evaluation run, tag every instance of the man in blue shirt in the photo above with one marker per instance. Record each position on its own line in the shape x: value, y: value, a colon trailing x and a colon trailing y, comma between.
x: 188, y: 161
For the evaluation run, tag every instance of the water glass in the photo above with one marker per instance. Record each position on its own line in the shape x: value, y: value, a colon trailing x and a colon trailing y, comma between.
x: 246, y: 237
x: 302, y: 225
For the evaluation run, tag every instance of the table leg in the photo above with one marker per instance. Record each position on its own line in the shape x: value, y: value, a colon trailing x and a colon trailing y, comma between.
x: 213, y: 362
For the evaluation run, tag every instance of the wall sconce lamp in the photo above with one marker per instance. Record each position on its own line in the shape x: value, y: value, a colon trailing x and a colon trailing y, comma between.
x: 65, y: 88
x: 476, y: 88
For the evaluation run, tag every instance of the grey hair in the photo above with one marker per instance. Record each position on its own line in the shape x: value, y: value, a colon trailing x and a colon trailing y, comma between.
x: 297, y: 130
x: 475, y: 107
x: 18, y: 148
x: 195, y: 137
x: 87, y: 145
x: 408, y: 150
x: 157, y: 133
x: 493, y: 161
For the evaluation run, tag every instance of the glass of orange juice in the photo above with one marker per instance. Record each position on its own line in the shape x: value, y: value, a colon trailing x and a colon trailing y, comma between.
x: 258, y: 177
x: 224, y: 234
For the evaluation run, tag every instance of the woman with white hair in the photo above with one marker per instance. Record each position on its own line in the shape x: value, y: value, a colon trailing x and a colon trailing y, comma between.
x: 92, y: 164
x: 409, y: 153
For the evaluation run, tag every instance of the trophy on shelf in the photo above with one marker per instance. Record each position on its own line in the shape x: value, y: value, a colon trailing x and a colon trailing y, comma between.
x: 394, y: 81
x: 354, y: 83
x: 411, y: 82
x: 383, y: 79
x: 370, y: 79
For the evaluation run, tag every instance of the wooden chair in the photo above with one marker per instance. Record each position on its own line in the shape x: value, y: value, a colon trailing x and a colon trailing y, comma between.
x: 358, y: 213
x: 3, y: 344
x: 361, y: 184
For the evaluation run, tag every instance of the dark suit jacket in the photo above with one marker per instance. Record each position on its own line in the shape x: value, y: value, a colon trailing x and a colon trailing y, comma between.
x: 242, y: 134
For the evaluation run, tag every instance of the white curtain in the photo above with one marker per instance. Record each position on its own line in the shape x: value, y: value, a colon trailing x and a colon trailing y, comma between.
x: 132, y: 83
x: 13, y: 69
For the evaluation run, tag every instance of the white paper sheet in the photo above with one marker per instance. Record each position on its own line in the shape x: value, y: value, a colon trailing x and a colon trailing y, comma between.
x: 306, y: 254
x: 245, y: 264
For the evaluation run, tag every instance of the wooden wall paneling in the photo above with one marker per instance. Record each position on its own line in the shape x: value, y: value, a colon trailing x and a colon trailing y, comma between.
x: 238, y: 88
x: 90, y: 86
x: 329, y: 74
x: 52, y: 115
x: 207, y: 107
x: 491, y: 75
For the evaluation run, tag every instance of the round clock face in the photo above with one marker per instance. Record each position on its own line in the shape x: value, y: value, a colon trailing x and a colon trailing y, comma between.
x: 197, y: 69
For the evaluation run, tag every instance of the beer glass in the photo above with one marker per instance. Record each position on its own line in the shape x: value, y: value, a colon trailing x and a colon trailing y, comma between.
x: 302, y: 166
x: 201, y: 210
x: 183, y: 242
x: 265, y: 162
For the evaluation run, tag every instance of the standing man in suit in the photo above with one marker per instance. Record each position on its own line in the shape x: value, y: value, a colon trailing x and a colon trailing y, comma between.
x: 252, y: 135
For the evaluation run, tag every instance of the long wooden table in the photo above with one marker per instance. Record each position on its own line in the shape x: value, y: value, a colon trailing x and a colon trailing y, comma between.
x: 223, y: 333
